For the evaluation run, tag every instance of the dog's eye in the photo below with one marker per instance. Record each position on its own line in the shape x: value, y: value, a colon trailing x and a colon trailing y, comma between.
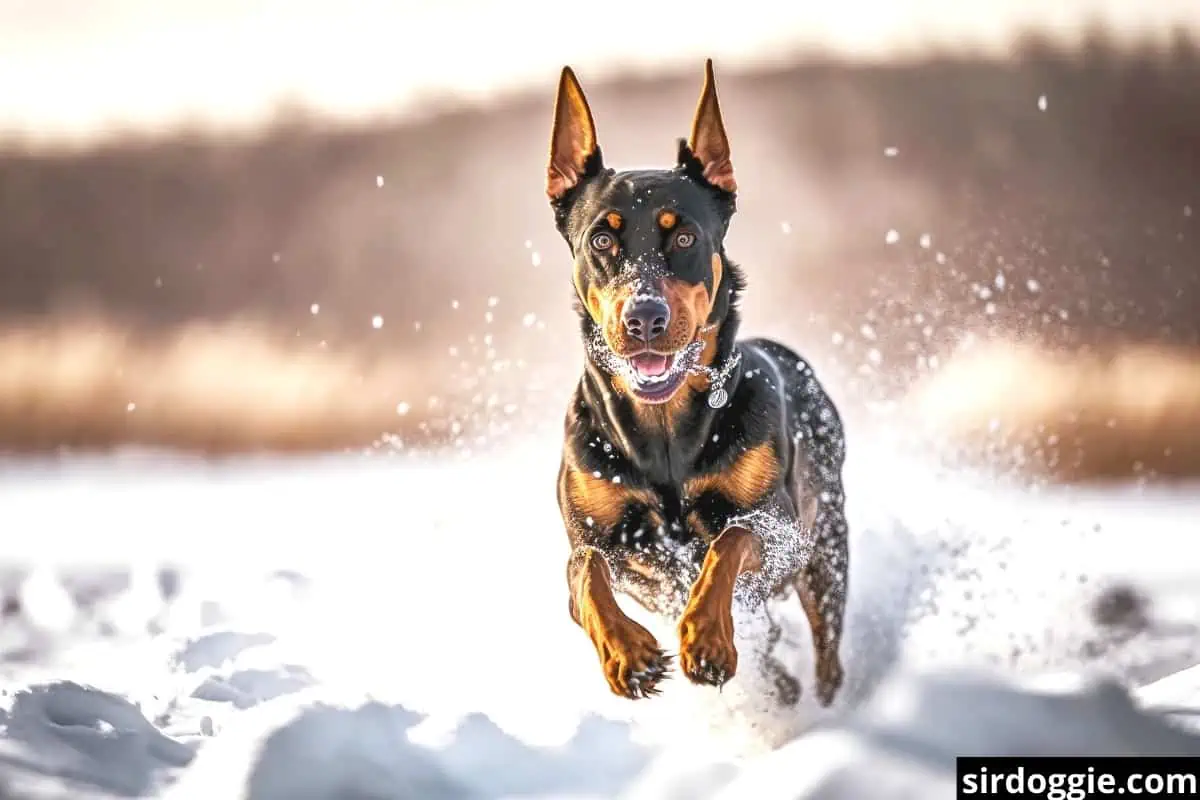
x: 685, y: 239
x: 603, y: 241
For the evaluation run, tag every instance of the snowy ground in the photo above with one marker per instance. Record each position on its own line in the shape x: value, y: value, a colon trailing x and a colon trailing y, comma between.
x: 400, y: 624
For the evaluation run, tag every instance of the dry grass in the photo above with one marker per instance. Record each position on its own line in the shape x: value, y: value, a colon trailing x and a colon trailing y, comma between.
x: 205, y: 388
x: 1131, y: 411
x: 237, y: 388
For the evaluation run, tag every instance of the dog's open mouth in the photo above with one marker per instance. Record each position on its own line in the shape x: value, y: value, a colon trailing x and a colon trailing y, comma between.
x: 650, y: 377
x: 656, y: 377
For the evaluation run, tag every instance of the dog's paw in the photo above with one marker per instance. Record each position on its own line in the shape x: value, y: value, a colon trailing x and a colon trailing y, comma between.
x: 633, y: 662
x: 706, y: 652
x: 829, y: 677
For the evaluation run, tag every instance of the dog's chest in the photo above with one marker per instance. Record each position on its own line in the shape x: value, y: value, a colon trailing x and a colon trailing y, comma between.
x: 649, y: 532
x: 654, y: 547
x: 656, y: 553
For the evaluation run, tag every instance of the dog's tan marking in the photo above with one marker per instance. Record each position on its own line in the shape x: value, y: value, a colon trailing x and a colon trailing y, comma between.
x: 641, y: 568
x: 605, y: 306
x: 751, y: 476
x: 614, y: 220
x: 667, y: 219
x: 718, y: 270
x: 699, y: 526
x: 600, y: 498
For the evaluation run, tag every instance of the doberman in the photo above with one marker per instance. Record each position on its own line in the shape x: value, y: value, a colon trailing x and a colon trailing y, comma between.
x: 697, y: 468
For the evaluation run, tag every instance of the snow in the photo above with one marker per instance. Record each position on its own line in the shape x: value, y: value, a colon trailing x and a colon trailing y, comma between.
x: 396, y: 626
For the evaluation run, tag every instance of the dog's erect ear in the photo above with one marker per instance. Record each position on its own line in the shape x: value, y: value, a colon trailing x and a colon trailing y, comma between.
x: 708, y: 141
x: 573, y: 140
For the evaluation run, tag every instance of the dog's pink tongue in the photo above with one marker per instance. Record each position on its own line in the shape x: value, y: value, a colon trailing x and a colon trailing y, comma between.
x: 650, y: 364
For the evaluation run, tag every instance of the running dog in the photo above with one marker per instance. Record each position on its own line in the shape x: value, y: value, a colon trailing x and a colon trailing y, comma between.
x: 696, y: 467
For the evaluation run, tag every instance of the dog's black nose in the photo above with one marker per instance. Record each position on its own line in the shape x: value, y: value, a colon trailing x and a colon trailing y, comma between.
x: 646, y: 318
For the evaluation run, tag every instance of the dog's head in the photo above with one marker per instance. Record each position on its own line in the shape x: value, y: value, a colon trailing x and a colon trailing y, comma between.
x: 650, y: 272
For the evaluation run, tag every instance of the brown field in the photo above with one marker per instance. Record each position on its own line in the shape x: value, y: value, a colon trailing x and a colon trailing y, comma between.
x: 1130, y: 411
x: 238, y: 387
x: 177, y: 272
x: 210, y: 389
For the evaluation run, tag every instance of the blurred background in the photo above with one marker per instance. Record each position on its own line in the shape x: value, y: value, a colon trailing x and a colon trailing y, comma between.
x: 245, y: 227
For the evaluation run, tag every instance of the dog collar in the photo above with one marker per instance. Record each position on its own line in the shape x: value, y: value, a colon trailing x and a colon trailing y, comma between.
x: 718, y: 396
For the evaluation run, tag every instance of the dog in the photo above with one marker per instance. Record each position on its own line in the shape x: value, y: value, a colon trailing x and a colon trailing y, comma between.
x: 696, y: 468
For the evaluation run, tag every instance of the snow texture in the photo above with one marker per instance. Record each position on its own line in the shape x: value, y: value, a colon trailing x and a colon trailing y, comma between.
x: 346, y: 629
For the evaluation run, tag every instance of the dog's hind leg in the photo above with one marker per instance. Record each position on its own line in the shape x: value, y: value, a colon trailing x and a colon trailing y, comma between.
x: 822, y: 588
x: 822, y: 584
x: 787, y: 688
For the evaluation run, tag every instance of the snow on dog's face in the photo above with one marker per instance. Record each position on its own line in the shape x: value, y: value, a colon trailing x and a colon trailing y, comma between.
x: 648, y: 246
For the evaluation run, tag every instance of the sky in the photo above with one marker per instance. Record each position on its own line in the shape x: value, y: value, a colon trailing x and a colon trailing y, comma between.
x: 83, y: 69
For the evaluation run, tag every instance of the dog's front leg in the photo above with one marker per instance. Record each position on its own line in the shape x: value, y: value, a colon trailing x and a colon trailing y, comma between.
x: 706, y: 651
x: 633, y: 662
